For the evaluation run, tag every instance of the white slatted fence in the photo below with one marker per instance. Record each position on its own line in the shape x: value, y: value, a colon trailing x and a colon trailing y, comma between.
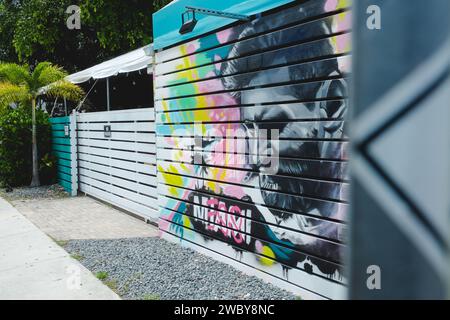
x: 117, y: 159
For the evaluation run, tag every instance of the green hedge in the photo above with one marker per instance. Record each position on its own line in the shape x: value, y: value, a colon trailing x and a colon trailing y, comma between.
x: 15, y: 147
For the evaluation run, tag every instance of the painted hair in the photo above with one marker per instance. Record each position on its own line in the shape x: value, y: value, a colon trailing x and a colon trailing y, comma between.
x: 237, y: 68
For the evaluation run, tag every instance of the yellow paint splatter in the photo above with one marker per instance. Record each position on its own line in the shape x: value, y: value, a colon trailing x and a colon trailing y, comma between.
x: 174, y: 180
x: 267, y: 252
x: 344, y: 4
x: 186, y: 222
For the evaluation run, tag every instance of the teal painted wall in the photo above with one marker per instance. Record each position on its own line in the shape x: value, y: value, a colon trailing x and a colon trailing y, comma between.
x: 61, y: 150
x: 167, y: 21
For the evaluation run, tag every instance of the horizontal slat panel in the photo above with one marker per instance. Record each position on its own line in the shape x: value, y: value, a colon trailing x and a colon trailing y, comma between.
x: 311, y: 187
x: 128, y: 136
x: 319, y: 287
x: 289, y: 73
x: 326, y: 264
x: 59, y: 120
x: 63, y: 162
x: 300, y: 33
x: 63, y: 141
x: 266, y: 77
x: 254, y: 96
x: 128, y: 165
x: 227, y: 225
x: 64, y: 176
x: 316, y: 169
x: 140, y: 147
x: 122, y: 115
x: 139, y: 198
x: 286, y: 148
x: 59, y: 134
x: 292, y: 54
x: 59, y: 127
x: 121, y: 202
x: 66, y: 185
x: 254, y: 197
x: 132, y: 186
x: 283, y: 193
x: 62, y: 155
x: 64, y: 169
x: 132, y: 156
x: 120, y: 173
x: 286, y: 112
x: 127, y: 126
x: 198, y: 202
x: 218, y: 130
x: 297, y: 15
x: 61, y: 148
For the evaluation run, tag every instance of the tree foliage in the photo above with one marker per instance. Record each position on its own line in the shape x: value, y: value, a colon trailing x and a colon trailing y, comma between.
x: 21, y: 86
x: 15, y: 147
x: 36, y: 30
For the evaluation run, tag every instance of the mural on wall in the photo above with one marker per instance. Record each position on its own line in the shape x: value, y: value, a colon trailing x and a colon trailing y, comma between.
x: 286, y: 208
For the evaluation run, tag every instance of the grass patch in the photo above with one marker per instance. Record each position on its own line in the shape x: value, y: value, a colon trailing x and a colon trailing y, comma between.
x: 112, y: 284
x: 101, y: 275
x: 61, y: 243
x: 77, y: 256
x: 151, y: 297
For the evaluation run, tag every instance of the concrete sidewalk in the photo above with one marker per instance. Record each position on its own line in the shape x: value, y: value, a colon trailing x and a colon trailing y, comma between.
x: 32, y: 266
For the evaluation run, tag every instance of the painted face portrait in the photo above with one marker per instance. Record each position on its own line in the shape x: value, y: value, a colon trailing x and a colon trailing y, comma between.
x: 252, y: 119
x: 308, y: 115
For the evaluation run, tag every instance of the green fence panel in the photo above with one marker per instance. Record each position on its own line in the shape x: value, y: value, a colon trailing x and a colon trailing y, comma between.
x: 59, y: 126
x: 62, y: 120
x: 62, y: 151
x: 60, y: 147
x: 61, y: 141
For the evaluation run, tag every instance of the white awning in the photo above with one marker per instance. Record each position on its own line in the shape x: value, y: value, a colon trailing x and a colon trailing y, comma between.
x: 135, y: 60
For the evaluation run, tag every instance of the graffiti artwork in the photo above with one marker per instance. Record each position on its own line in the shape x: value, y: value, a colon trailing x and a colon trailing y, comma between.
x: 251, y: 129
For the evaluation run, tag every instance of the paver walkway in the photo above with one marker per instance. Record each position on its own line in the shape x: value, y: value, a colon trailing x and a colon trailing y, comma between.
x: 82, y: 218
x: 32, y: 266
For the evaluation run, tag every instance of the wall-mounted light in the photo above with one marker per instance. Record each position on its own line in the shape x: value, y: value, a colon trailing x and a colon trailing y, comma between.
x: 189, y: 21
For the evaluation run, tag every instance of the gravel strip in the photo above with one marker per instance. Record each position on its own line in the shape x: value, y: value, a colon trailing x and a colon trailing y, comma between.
x: 26, y: 193
x: 152, y: 268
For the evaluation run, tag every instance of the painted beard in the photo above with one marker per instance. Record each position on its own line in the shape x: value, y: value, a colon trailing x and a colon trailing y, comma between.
x: 279, y: 191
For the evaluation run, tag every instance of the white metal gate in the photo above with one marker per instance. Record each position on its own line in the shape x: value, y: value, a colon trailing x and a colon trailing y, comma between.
x: 117, y: 159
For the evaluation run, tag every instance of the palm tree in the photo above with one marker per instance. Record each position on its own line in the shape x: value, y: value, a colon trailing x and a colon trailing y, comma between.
x: 19, y: 85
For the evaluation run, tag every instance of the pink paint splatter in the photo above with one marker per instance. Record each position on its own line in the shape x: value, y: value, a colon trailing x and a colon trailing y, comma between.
x: 346, y: 23
x: 163, y: 224
x: 190, y: 49
x: 218, y: 66
x: 258, y: 246
x: 331, y: 5
x: 223, y: 36
x: 343, y: 42
x: 234, y: 191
